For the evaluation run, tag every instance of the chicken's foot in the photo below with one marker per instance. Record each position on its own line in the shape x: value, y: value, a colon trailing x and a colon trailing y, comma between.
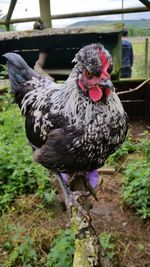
x: 72, y: 197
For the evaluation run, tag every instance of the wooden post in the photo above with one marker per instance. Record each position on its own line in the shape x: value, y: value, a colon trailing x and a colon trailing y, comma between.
x: 146, y: 58
x: 147, y: 106
x: 74, y: 15
x: 9, y: 14
x: 45, y: 12
x: 146, y: 3
x: 86, y: 242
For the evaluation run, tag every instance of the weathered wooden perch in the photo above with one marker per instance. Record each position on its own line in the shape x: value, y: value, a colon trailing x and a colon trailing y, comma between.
x: 86, y: 241
x: 88, y: 252
x: 107, y: 170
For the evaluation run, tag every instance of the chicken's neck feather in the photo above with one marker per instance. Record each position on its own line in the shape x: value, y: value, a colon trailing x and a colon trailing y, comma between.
x: 75, y: 106
x: 67, y: 99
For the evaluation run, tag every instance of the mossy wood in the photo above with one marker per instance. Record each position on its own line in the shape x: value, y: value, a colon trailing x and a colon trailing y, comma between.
x: 88, y: 251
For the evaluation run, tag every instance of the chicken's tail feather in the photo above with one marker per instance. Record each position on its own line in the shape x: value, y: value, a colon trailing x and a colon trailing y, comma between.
x: 18, y: 71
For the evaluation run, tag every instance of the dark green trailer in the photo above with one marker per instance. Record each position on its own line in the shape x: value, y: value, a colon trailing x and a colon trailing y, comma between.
x: 61, y: 45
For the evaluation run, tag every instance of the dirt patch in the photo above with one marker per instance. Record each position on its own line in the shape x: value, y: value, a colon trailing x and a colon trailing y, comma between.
x: 132, y: 234
x: 137, y: 128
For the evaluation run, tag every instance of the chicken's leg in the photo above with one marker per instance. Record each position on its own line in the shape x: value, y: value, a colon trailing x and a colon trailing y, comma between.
x: 70, y: 196
x: 90, y: 180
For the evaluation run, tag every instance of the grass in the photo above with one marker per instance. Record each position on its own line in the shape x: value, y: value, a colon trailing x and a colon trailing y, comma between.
x: 27, y: 232
x: 138, y: 70
x: 19, y: 174
x: 136, y: 173
x: 30, y: 214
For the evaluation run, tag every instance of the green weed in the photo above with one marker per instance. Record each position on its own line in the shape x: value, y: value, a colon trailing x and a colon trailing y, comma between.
x: 136, y: 186
x: 127, y: 147
x: 144, y: 145
x: 136, y: 181
x: 107, y: 241
x: 18, y: 173
x: 61, y: 253
x: 20, y: 247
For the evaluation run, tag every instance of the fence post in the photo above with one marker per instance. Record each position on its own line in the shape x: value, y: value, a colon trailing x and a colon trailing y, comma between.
x: 45, y: 12
x: 146, y: 58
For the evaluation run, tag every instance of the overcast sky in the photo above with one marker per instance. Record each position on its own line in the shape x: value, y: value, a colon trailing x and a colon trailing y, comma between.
x: 30, y: 8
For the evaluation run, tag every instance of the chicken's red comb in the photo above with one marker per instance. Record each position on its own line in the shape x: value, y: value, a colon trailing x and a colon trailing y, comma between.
x: 105, y: 61
x: 102, y: 56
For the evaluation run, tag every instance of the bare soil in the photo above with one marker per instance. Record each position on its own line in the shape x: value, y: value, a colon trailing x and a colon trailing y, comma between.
x: 132, y: 234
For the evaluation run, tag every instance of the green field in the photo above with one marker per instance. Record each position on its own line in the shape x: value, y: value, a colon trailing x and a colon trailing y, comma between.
x: 139, y: 69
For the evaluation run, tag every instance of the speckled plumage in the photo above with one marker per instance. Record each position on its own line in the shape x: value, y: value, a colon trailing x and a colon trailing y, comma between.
x: 67, y: 130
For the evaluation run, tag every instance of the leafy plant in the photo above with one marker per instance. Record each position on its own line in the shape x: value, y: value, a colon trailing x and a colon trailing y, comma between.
x: 144, y: 145
x: 136, y: 184
x: 136, y: 188
x: 21, y: 248
x: 127, y: 147
x: 3, y: 70
x: 62, y: 250
x: 18, y: 173
x: 107, y: 241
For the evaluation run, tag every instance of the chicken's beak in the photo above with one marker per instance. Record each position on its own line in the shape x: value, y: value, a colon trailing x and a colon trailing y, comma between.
x: 106, y: 84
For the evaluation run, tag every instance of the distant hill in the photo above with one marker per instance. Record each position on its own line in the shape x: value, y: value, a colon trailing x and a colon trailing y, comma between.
x: 142, y: 23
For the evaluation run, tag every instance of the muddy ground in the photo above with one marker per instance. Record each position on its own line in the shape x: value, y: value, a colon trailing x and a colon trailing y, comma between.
x: 132, y: 235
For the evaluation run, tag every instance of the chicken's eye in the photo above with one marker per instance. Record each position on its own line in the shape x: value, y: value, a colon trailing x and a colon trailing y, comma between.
x: 88, y: 74
x: 110, y: 68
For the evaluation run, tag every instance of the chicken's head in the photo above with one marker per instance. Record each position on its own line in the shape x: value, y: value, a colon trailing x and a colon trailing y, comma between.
x: 95, y: 65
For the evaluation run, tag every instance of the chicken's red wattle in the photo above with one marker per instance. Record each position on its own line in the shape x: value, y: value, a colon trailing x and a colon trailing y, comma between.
x: 95, y: 93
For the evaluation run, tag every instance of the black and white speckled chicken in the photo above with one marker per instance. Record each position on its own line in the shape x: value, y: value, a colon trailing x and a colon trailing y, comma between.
x: 74, y: 126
